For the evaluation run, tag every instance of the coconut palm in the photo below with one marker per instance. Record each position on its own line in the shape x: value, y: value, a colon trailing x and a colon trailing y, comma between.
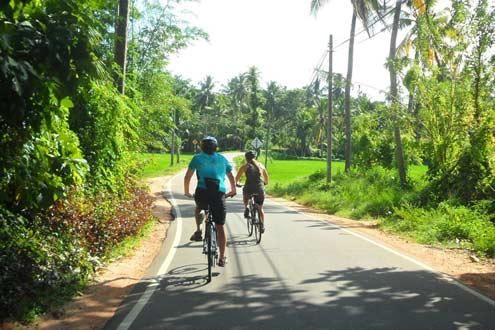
x: 205, y: 99
x: 272, y: 106
x: 254, y: 102
x: 365, y: 10
x: 394, y: 94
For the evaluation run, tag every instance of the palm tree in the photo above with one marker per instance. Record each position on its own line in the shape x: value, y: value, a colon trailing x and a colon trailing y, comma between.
x: 419, y: 11
x: 315, y: 94
x: 252, y: 78
x: 394, y: 95
x: 364, y: 10
x: 237, y: 92
x: 272, y: 103
x: 205, y: 99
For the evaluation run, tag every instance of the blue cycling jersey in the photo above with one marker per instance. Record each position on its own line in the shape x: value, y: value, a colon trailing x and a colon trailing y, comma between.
x: 214, y: 166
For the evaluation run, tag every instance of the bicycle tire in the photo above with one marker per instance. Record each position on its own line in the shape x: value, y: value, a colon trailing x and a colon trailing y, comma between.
x: 257, y: 226
x: 209, y: 251
x: 250, y: 220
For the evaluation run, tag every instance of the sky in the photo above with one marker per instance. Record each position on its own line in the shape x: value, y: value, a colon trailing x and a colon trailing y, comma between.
x: 282, y: 39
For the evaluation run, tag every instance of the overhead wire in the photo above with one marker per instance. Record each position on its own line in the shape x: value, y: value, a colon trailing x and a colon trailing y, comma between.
x: 378, y: 19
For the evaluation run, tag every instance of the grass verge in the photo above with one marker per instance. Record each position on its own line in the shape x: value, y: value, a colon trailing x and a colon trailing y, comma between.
x: 153, y: 164
x: 375, y: 194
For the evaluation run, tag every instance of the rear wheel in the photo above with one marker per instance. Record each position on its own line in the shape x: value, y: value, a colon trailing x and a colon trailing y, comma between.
x: 249, y: 220
x: 257, y: 225
x: 209, y: 253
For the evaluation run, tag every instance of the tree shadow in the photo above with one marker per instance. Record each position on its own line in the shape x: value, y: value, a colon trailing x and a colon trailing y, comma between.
x: 327, y: 225
x: 241, y: 241
x: 354, y: 298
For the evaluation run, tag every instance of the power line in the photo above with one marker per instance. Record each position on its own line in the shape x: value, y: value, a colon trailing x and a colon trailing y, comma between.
x: 379, y: 18
x: 317, y: 69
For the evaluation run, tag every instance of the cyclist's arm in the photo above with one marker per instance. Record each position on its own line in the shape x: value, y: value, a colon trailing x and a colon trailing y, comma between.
x: 265, y: 176
x: 240, y: 173
x: 187, y: 181
x: 233, y: 190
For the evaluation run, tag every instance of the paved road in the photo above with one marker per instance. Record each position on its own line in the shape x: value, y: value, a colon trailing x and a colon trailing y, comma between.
x: 305, y: 274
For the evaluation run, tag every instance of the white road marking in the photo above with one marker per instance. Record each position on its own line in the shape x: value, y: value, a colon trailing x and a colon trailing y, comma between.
x: 443, y: 276
x: 150, y: 289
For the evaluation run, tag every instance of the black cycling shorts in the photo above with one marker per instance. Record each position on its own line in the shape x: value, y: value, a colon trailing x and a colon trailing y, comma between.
x: 216, y: 200
x: 259, y: 198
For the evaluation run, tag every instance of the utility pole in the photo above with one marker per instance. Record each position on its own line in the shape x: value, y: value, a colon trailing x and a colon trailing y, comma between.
x: 330, y: 110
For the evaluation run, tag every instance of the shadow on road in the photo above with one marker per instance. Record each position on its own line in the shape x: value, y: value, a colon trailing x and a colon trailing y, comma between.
x: 355, y: 298
x: 241, y: 240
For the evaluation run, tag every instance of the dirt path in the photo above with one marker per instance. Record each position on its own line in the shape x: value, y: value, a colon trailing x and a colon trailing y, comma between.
x: 101, y: 299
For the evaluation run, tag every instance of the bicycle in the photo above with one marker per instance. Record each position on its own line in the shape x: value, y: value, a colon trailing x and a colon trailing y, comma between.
x: 253, y: 221
x: 210, y: 247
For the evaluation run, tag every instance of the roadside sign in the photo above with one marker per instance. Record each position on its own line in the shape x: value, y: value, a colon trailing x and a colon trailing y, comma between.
x: 195, y: 141
x: 256, y: 143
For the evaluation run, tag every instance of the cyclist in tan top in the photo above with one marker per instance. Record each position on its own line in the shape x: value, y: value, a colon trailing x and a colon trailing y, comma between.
x: 256, y: 180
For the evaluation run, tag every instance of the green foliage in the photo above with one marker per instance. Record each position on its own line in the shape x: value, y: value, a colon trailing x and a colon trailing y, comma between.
x: 46, y: 48
x: 373, y: 140
x: 36, y: 261
x: 375, y: 193
x: 372, y: 193
x: 101, y: 220
x: 67, y: 196
x: 107, y: 125
x: 457, y: 226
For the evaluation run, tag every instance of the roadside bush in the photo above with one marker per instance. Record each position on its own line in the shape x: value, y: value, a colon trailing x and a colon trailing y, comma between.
x: 449, y: 224
x: 35, y: 262
x: 46, y: 260
x: 370, y: 193
x: 102, y: 220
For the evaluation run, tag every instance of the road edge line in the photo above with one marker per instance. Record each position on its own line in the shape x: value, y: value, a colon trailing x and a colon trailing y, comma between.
x: 443, y: 276
x: 145, y: 297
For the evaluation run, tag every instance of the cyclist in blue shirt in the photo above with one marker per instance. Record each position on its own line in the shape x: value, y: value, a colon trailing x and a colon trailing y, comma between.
x: 211, y: 169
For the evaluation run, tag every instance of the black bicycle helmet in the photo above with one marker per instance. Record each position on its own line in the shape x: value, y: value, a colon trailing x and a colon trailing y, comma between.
x: 250, y: 155
x: 209, y: 145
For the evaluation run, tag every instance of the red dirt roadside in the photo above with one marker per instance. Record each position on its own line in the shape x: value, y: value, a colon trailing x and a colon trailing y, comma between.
x: 99, y: 301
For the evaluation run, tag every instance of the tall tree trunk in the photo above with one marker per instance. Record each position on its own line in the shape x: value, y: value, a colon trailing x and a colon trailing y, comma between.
x: 347, y: 99
x: 330, y: 110
x: 172, y: 148
x: 394, y: 94
x: 177, y: 150
x: 267, y: 141
x: 413, y: 106
x: 121, y: 43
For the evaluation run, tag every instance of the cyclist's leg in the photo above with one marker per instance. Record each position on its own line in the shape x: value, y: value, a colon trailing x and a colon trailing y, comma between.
x: 245, y: 199
x: 259, y: 199
x: 219, y: 215
x: 200, y: 197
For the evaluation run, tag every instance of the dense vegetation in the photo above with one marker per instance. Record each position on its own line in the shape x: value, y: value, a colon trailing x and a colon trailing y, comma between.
x: 375, y: 194
x: 68, y: 190
x: 69, y: 136
x: 442, y: 117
